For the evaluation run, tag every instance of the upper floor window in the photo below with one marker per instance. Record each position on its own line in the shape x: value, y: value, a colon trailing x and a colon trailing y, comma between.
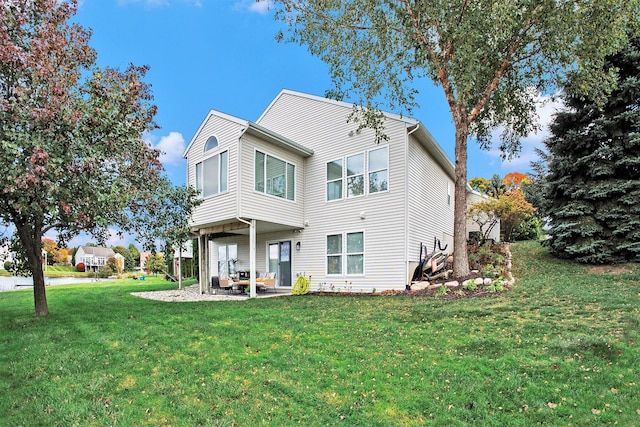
x: 274, y: 176
x: 378, y: 170
x: 212, y: 174
x: 334, y: 180
x: 364, y: 173
x: 212, y: 142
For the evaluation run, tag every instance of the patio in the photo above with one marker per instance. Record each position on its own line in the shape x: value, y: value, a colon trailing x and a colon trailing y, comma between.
x: 192, y: 294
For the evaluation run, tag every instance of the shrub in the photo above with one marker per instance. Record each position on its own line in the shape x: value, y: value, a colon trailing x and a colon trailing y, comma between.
x: 104, y: 271
x: 470, y: 286
x: 80, y: 266
x: 8, y: 265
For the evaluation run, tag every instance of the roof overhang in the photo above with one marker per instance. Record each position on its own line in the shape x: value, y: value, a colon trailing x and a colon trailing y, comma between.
x: 277, y: 140
x: 429, y: 143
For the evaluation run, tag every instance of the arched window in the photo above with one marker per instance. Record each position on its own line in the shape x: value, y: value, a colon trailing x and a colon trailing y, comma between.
x: 211, y: 143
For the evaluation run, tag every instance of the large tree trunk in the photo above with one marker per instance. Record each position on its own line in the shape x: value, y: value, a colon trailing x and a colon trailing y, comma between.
x: 460, y: 259
x: 31, y: 239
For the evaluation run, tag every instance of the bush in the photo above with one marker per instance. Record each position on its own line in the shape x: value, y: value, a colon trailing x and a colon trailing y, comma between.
x: 104, y: 272
x: 8, y: 265
x: 80, y: 266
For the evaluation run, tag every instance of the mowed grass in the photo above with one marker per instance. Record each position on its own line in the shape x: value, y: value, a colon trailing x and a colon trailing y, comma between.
x: 560, y: 349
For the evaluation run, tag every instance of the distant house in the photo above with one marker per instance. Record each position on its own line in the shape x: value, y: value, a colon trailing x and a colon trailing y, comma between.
x: 474, y: 197
x: 143, y: 259
x: 94, y: 257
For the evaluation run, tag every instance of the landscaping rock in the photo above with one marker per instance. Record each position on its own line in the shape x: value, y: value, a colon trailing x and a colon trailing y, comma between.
x: 478, y: 281
x: 452, y: 284
x: 487, y: 281
x: 418, y: 286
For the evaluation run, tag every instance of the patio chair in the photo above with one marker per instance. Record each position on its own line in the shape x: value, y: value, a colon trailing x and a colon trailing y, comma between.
x: 269, y: 281
x: 226, y: 285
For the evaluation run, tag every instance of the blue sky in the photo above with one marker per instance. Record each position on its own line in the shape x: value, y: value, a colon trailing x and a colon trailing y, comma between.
x: 222, y: 55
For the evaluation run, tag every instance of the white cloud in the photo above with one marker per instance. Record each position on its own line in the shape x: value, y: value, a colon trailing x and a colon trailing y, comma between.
x: 254, y: 6
x: 172, y: 147
x: 547, y: 107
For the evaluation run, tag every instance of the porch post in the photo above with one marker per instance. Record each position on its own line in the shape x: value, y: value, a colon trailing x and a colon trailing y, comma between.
x: 252, y: 259
x: 203, y: 254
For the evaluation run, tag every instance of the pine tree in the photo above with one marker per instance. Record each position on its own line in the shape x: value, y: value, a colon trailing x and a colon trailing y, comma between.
x: 593, y: 181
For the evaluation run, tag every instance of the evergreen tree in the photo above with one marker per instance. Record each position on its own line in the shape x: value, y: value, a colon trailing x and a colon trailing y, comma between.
x: 593, y: 181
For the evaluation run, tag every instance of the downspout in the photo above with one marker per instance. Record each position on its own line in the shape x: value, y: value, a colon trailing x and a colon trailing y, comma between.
x: 407, y: 272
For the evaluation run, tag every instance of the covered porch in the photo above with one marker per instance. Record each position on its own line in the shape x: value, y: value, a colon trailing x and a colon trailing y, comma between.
x: 247, y: 253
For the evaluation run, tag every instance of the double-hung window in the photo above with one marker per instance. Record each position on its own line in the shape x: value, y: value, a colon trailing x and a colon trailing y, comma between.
x: 227, y: 259
x: 212, y: 174
x: 359, y: 174
x: 334, y: 180
x: 355, y: 175
x: 345, y: 254
x: 274, y: 176
x: 378, y: 167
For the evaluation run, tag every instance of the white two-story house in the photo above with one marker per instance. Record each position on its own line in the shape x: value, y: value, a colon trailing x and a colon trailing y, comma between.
x: 301, y: 192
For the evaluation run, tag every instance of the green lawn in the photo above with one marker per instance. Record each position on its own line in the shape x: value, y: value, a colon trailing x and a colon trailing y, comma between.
x: 57, y: 271
x: 560, y: 349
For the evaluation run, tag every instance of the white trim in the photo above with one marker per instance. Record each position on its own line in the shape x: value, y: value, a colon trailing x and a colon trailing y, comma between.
x: 286, y: 163
x: 366, y: 173
x: 344, y: 254
x: 205, y: 150
x: 213, y: 153
x: 210, y: 114
x: 393, y: 116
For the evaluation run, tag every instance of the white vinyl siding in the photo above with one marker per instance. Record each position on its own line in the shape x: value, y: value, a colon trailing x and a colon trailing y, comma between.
x: 223, y: 205
x: 261, y: 205
x: 322, y: 126
x: 430, y: 209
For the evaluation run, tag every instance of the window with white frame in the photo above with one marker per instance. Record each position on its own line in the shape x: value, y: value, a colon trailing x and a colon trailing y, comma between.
x: 378, y: 167
x: 227, y: 260
x: 355, y: 175
x: 334, y: 180
x: 212, y: 174
x: 365, y: 173
x: 345, y: 254
x: 274, y: 176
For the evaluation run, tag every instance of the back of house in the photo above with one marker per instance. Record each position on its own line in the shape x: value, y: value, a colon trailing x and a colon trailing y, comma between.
x: 303, y: 192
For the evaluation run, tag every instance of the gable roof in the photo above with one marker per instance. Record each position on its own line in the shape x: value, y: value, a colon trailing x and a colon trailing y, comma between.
x: 254, y: 129
x: 413, y: 126
x: 97, y: 251
x: 343, y: 104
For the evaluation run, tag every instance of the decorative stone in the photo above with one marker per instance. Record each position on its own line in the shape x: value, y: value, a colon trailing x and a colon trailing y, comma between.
x: 435, y: 286
x: 478, y: 281
x: 418, y: 286
x: 487, y: 281
x: 452, y: 284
